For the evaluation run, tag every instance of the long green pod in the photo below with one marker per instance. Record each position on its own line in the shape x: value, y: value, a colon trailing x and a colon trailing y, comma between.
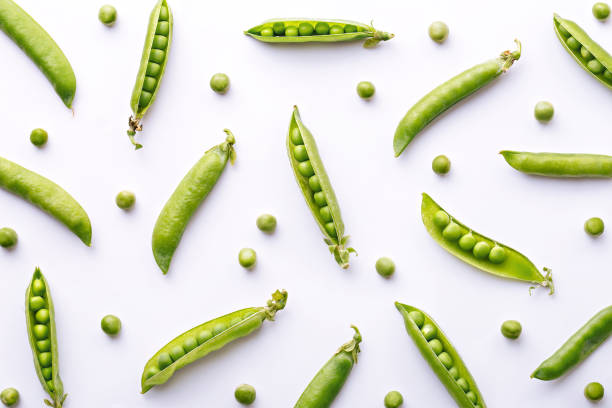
x: 578, y: 347
x: 40, y: 47
x: 462, y: 242
x: 152, y: 66
x: 442, y: 357
x: 560, y: 164
x: 448, y: 94
x: 40, y: 322
x: 274, y: 31
x: 327, y: 383
x: 187, y: 197
x: 206, y: 338
x: 587, y: 53
x: 316, y: 188
x: 47, y: 196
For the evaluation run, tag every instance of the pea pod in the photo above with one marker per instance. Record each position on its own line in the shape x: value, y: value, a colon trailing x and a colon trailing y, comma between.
x: 316, y: 188
x: 40, y: 47
x: 152, y: 66
x: 442, y: 357
x: 477, y: 250
x: 578, y: 347
x: 587, y: 53
x: 47, y: 196
x: 448, y: 94
x: 327, y: 383
x: 206, y: 338
x: 40, y: 322
x: 308, y: 30
x: 187, y: 197
x: 560, y: 164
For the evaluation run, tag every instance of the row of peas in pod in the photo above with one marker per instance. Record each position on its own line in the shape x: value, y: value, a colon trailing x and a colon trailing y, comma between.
x: 305, y: 28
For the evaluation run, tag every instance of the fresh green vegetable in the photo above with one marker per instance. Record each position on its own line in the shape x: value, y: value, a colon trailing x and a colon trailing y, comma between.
x: 544, y: 111
x: 8, y: 237
x: 438, y: 31
x: 107, y: 15
x: 39, y: 137
x: 441, y: 164
x: 220, y: 83
x: 365, y: 89
x: 511, y: 329
x: 245, y: 394
x: 9, y: 397
x: 594, y: 391
x: 247, y: 257
x: 393, y: 399
x: 385, y: 266
x: 601, y: 11
x: 111, y: 325
x: 594, y: 226
x: 560, y: 164
x: 125, y: 200
x: 266, y: 223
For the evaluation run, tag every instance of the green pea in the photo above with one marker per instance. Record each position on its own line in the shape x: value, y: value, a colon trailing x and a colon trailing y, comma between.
x: 436, y: 346
x: 220, y: 83
x: 441, y: 164
x: 467, y: 242
x: 38, y: 287
x: 305, y: 29
x: 47, y: 373
x: 164, y: 360
x: 446, y: 359
x: 8, y: 237
x: 111, y: 325
x: 462, y: 382
x: 149, y: 83
x: 454, y: 373
x: 278, y: 28
x: 336, y: 29
x: 40, y: 331
x: 38, y: 137
x: 305, y: 168
x: 51, y: 386
x: 267, y: 32
x: 45, y: 359
x: 266, y: 223
x: 219, y: 328
x: 563, y: 31
x: 441, y: 219
x: 291, y: 31
x: 607, y: 75
x: 125, y: 200
x: 594, y: 391
x: 365, y: 89
x: 417, y: 317
x: 177, y: 352
x: 296, y: 136
x: 151, y: 372
x: 160, y: 42
x: 385, y: 266
x: 247, y: 257
x: 452, y: 232
x: 145, y: 98
x: 163, y: 28
x: 325, y: 214
x: 163, y: 14
x: 350, y: 28
x: 544, y: 111
x: 322, y: 28
x: 107, y: 15
x: 9, y: 396
x: 393, y: 399
x: 315, y: 184
x: 43, y: 345
x: 235, y: 321
x: 511, y: 329
x: 497, y: 254
x: 189, y: 344
x: 472, y: 397
x: 481, y: 250
x: 573, y: 43
x: 429, y: 331
x: 157, y: 56
x: 319, y: 196
x: 594, y: 226
x: 37, y: 303
x: 204, y: 336
x: 595, y: 66
x: 586, y: 54
x: 601, y: 11
x: 438, y: 31
x: 245, y: 394
x: 331, y: 229
x: 42, y: 316
x: 153, y: 69
x: 300, y: 153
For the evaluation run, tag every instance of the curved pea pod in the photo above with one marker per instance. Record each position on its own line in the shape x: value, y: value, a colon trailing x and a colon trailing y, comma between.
x: 327, y: 383
x: 40, y: 322
x: 47, y: 196
x: 187, y: 197
x: 152, y: 66
x: 40, y: 47
x: 587, y: 53
x: 499, y: 260
x: 206, y: 338
x: 448, y: 94
x: 578, y: 347
x: 442, y: 357
x: 560, y: 164
x: 316, y: 188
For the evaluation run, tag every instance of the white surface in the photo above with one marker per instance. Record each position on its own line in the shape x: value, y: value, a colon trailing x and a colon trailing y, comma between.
x: 90, y: 156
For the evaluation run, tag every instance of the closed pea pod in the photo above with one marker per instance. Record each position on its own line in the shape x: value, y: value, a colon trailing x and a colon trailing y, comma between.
x: 447, y: 365
x: 477, y: 250
x: 570, y: 165
x: 152, y: 66
x: 448, y: 94
x: 43, y: 340
x: 327, y: 383
x: 312, y: 178
x: 210, y: 336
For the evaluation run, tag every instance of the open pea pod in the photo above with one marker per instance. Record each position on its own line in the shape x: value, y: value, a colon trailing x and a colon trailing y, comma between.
x: 316, y: 188
x: 587, y: 53
x: 442, y: 357
x: 478, y: 250
x: 206, y: 338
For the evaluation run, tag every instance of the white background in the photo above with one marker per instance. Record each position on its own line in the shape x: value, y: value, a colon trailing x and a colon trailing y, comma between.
x: 90, y: 156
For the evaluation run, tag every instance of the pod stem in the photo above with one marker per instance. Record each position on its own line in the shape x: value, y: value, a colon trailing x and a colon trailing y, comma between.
x: 377, y: 37
x: 352, y: 346
x: 229, y: 143
x: 278, y: 302
x: 508, y: 57
x: 134, y: 126
x: 547, y: 283
x: 340, y: 252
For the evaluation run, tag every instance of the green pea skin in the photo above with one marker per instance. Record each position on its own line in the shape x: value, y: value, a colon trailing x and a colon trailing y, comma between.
x: 429, y: 331
x: 325, y: 214
x: 296, y: 137
x: 350, y: 28
x: 245, y: 394
x: 331, y: 229
x: 111, y: 325
x: 544, y: 111
x: 40, y: 331
x: 300, y: 153
x: 38, y: 137
x: 125, y: 200
x: 463, y: 384
x: 38, y: 287
x: 43, y: 345
x: 438, y: 31
x: 177, y: 352
x: 107, y: 15
x: 586, y: 54
x: 441, y: 219
x: 37, y: 303
x: 446, y: 359
x: 417, y: 317
x: 42, y: 316
x: 481, y: 250
x: 594, y: 226
x: 573, y: 43
x: 497, y: 255
x: 278, y: 28
x: 436, y: 346
x: 467, y: 242
x: 291, y: 31
x: 219, y: 327
x: 336, y: 29
x: 441, y: 164
x: 511, y: 329
x: 204, y: 336
x: 385, y: 267
x: 9, y: 396
x: 454, y: 373
x: 393, y: 399
x: 190, y: 344
x: 305, y: 168
x: 266, y: 223
x: 45, y: 359
x: 452, y: 232
x: 220, y: 82
x: 164, y: 360
x: 305, y: 29
x: 267, y: 32
x: 247, y: 258
x: 151, y: 372
x: 601, y: 11
x: 594, y: 391
x: 8, y: 237
x: 607, y: 75
x: 595, y: 66
x: 365, y: 89
x: 315, y: 185
x: 322, y: 28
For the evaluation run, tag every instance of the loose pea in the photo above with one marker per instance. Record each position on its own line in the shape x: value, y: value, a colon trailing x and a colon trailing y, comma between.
x: 39, y: 137
x: 266, y: 223
x: 37, y: 303
x: 305, y: 168
x: 9, y: 396
x: 305, y: 29
x: 336, y: 29
x: 177, y: 352
x: 247, y: 257
x: 151, y: 372
x: 544, y: 111
x: 38, y: 287
x: 42, y: 316
x: 125, y: 200
x: 586, y: 54
x: 595, y: 66
x: 454, y: 372
x: 8, y: 237
x: 204, y: 336
x: 245, y: 394
x: 296, y: 136
x: 594, y: 391
x: 393, y: 399
x: 325, y: 214
x: 601, y: 11
x: 278, y: 28
x: 365, y: 89
x: 189, y: 344
x: 573, y: 43
x: 45, y: 359
x: 417, y: 317
x: 385, y: 267
x: 438, y: 31
x: 594, y: 226
x: 471, y: 396
x: 446, y: 359
x: 111, y: 325
x: 300, y: 153
x: 511, y: 329
x: 319, y: 198
x: 267, y: 32
x: 467, y: 242
x: 350, y: 28
x: 219, y: 83
x: 315, y: 184
x: 436, y: 346
x: 497, y: 255
x: 463, y: 384
x: 164, y: 360
x: 441, y: 219
x: 107, y: 15
x: 322, y: 28
x: 291, y: 31
x: 441, y: 164
x: 41, y: 331
x: 43, y: 345
x: 331, y: 229
x: 429, y: 331
x: 452, y: 232
x: 481, y: 250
